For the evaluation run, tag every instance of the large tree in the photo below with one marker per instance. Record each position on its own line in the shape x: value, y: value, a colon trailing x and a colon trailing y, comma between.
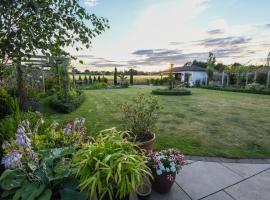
x: 30, y: 27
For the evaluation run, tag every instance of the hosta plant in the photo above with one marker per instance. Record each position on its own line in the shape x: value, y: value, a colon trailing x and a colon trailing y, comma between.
x: 34, y: 171
x: 111, y: 167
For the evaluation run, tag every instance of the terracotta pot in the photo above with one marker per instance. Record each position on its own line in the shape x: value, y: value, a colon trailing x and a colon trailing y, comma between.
x: 147, y: 145
x: 162, y: 184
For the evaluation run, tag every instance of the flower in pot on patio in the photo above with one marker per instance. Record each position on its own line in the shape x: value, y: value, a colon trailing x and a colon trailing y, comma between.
x: 111, y: 167
x: 140, y: 116
x: 165, y: 165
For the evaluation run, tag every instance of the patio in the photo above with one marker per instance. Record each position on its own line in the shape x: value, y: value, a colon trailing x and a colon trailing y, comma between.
x: 227, y: 180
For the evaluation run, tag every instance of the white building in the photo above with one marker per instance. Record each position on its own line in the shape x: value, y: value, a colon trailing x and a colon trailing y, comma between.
x: 190, y: 74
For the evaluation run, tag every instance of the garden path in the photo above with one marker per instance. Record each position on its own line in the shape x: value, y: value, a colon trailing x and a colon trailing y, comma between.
x: 225, y: 179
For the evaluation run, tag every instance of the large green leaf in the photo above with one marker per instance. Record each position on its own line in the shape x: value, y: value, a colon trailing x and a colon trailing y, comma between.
x: 68, y: 194
x: 29, y: 191
x: 69, y: 190
x: 11, y: 179
x: 46, y: 195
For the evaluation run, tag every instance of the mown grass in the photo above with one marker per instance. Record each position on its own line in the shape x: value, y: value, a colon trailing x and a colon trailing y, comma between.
x: 212, y: 123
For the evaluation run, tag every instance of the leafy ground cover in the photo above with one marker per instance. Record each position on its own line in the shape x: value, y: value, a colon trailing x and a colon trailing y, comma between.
x: 208, y: 122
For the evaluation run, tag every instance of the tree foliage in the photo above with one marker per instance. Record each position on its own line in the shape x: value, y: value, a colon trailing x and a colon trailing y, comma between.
x: 210, y: 66
x: 28, y: 27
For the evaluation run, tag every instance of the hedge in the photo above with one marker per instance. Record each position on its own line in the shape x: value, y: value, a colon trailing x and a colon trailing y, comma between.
x: 66, y: 107
x: 180, y: 92
x: 264, y: 92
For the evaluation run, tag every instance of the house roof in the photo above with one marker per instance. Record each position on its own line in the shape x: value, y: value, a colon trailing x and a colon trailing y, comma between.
x: 193, y: 68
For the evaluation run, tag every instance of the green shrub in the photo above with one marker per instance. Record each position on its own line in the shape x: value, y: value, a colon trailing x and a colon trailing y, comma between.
x: 264, y: 92
x: 96, y: 86
x: 60, y: 105
x: 110, y: 168
x: 174, y: 91
x: 4, y: 103
x: 255, y: 86
x: 140, y: 116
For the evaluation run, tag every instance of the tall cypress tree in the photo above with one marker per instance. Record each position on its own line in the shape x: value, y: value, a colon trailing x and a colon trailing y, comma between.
x: 90, y: 79
x: 115, y: 76
x: 131, y: 77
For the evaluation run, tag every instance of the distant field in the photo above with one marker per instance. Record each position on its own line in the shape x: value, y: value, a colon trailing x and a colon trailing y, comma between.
x: 212, y: 123
x: 137, y: 79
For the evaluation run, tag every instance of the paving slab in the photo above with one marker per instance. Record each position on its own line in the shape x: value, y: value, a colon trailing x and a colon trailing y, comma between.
x: 219, y: 196
x: 254, y: 188
x: 204, y: 178
x: 176, y: 193
x: 246, y: 170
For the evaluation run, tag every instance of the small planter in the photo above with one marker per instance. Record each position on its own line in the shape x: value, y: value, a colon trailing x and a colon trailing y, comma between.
x: 145, y: 190
x: 147, y: 145
x: 107, y: 197
x: 163, y: 183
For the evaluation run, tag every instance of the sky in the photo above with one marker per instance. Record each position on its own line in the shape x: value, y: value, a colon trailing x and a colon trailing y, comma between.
x: 148, y: 35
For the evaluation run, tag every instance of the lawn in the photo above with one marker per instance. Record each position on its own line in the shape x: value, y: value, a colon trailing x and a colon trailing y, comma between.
x: 212, y: 123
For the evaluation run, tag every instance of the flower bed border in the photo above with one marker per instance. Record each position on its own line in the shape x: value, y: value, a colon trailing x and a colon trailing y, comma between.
x: 263, y: 92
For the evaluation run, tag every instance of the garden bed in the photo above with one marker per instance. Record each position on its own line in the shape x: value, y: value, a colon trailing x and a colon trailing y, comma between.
x: 174, y: 92
x: 61, y: 106
x: 264, y: 92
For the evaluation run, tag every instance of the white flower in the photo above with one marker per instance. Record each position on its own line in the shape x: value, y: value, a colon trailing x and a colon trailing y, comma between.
x: 161, y: 166
x: 159, y: 172
x: 167, y: 169
x: 173, y: 169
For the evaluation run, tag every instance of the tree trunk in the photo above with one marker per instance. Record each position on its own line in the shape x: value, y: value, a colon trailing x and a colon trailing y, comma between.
x: 21, y: 92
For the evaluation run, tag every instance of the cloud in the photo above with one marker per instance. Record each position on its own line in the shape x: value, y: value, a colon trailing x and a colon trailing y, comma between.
x: 91, y: 3
x: 225, y: 41
x: 215, y: 31
x: 267, y: 25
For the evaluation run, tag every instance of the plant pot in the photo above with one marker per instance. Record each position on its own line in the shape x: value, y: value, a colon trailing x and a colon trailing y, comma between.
x: 107, y: 197
x: 162, y: 184
x: 145, y: 190
x: 147, y: 145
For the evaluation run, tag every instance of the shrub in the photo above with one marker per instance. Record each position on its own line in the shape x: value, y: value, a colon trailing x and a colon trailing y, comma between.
x: 255, y: 86
x: 264, y: 92
x: 96, y: 86
x: 140, y: 116
x: 124, y: 84
x: 174, y: 91
x: 110, y: 168
x: 60, y: 105
x: 4, y: 103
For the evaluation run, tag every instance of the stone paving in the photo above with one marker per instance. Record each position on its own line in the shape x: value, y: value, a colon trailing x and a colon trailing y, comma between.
x: 203, y: 180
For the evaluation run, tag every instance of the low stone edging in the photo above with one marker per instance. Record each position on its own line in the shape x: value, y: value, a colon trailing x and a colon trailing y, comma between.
x: 228, y: 160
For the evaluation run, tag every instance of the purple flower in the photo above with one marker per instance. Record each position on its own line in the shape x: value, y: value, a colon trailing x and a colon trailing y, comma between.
x: 67, y: 129
x: 12, y: 160
x: 22, y: 139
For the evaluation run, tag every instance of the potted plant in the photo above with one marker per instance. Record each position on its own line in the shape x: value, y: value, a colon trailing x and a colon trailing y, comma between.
x: 165, y: 164
x: 140, y: 116
x: 111, y: 167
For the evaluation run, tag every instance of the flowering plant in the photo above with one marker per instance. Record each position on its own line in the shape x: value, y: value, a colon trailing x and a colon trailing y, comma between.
x: 42, y: 171
x: 166, y: 162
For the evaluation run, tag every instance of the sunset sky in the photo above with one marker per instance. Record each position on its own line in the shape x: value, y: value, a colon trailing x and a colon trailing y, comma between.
x: 150, y: 34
